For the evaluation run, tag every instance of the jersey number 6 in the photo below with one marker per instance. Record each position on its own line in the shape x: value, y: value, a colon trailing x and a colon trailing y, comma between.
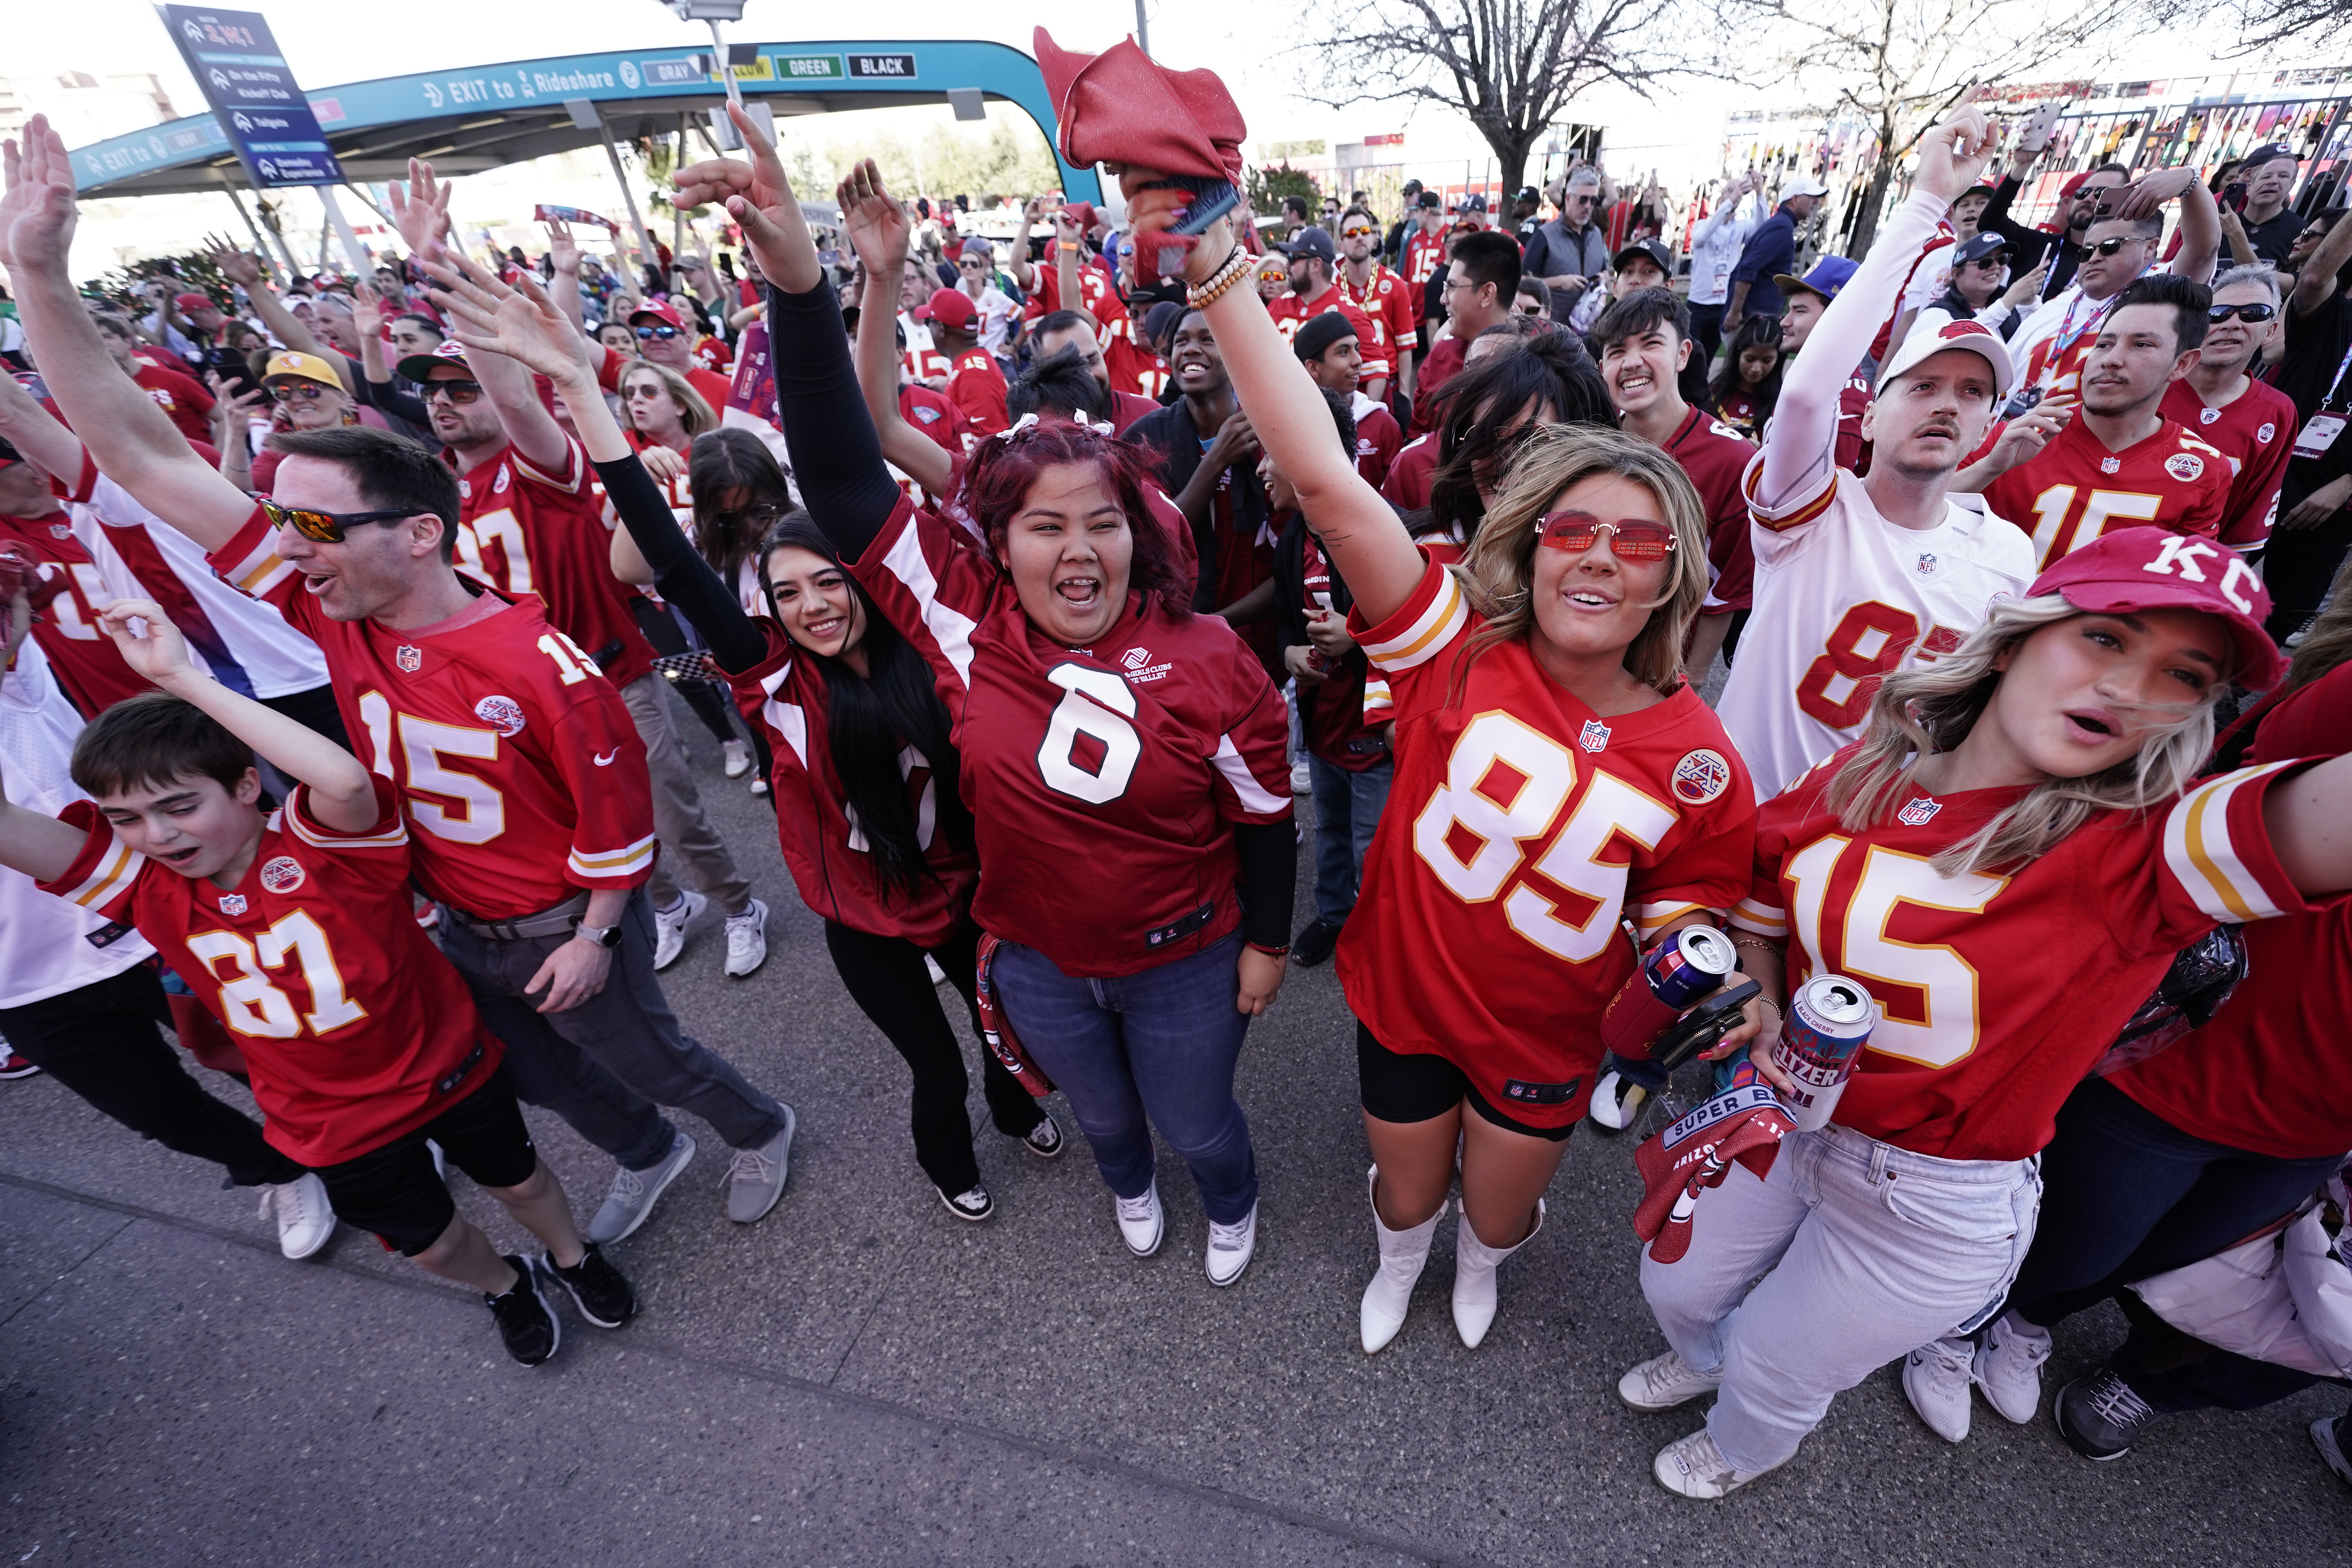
x: 1098, y: 704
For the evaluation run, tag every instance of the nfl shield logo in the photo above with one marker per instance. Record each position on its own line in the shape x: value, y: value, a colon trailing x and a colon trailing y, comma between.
x: 410, y: 659
x: 232, y: 903
x: 1927, y: 564
x: 1918, y: 812
x: 1594, y: 736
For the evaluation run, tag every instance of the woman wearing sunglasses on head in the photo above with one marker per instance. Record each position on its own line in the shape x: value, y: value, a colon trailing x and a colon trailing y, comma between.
x: 1121, y: 756
x: 1554, y: 773
x: 866, y: 790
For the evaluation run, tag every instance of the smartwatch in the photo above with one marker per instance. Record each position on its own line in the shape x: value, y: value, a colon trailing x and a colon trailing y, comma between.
x: 602, y: 936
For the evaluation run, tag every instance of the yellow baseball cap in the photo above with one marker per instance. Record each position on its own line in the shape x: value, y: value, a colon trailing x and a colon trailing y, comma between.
x: 306, y: 367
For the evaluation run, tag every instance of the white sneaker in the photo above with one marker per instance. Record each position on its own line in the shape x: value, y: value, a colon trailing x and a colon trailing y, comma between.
x: 2008, y: 1367
x: 1140, y: 1223
x: 305, y: 1219
x: 1936, y: 1381
x: 669, y: 928
x: 1666, y: 1381
x: 747, y: 939
x: 738, y: 758
x: 759, y: 785
x: 634, y: 1193
x: 1301, y: 781
x: 1696, y: 1468
x: 1231, y: 1247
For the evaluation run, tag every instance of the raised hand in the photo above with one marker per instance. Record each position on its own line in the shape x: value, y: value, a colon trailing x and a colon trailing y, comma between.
x: 2144, y: 197
x: 420, y: 211
x: 760, y: 198
x: 563, y: 254
x: 874, y: 219
x: 519, y: 322
x: 1954, y: 154
x: 240, y: 267
x: 367, y: 312
x: 36, y: 214
x: 154, y: 650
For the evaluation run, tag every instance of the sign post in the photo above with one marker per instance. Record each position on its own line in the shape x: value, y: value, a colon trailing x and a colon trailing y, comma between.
x: 251, y: 92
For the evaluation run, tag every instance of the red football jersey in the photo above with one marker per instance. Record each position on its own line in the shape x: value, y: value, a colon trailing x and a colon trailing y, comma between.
x: 356, y: 1028
x: 83, y: 657
x: 1388, y: 299
x: 1379, y: 438
x: 932, y: 414
x: 1105, y: 782
x: 1441, y: 364
x: 977, y: 389
x: 1289, y: 311
x: 517, y: 761
x: 522, y: 531
x: 1715, y: 456
x: 1522, y: 827
x: 1424, y: 254
x: 2255, y: 430
x: 712, y: 353
x: 2266, y: 1074
x: 826, y: 851
x: 2074, y: 489
x: 1985, y: 1022
x: 1411, y: 471
x: 181, y: 397
x: 1331, y: 711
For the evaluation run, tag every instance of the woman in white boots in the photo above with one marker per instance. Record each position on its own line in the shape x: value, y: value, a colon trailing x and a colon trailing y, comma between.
x: 1554, y: 775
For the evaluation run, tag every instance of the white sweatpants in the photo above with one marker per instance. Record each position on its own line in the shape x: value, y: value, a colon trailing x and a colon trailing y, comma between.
x: 1867, y: 1252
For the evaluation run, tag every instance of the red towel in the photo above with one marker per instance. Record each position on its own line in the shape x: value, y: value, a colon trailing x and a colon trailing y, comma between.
x: 1744, y: 1126
x: 1118, y: 106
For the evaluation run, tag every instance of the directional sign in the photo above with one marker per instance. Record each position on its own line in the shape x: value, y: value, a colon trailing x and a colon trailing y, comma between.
x: 889, y: 67
x: 244, y: 81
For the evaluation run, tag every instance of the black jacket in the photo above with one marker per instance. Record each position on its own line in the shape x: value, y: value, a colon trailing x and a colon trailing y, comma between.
x: 1175, y: 443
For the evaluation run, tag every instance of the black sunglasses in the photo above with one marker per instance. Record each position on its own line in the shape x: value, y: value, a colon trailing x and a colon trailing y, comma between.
x: 324, y: 527
x: 2253, y: 315
x: 2110, y: 246
x: 648, y: 333
x: 457, y: 391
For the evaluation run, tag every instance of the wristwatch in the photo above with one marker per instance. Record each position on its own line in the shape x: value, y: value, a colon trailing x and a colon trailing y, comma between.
x: 602, y: 936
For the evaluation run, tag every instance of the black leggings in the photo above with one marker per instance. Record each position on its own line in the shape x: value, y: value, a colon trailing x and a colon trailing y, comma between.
x: 101, y: 1042
x: 886, y: 978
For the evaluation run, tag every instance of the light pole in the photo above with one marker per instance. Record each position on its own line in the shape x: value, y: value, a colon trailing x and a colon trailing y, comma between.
x: 1143, y: 29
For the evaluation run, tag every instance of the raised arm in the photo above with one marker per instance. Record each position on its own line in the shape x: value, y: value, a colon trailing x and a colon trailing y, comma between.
x: 343, y: 794
x: 1800, y: 444
x: 243, y: 268
x: 1362, y: 533
x: 525, y: 329
x: 129, y: 437
x: 36, y: 433
x: 32, y: 842
x: 836, y: 455
x: 877, y: 229
x: 2315, y: 284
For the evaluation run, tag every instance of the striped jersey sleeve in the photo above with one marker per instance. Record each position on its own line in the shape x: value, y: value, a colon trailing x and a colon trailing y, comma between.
x: 389, y: 831
x: 1434, y: 618
x: 2217, y: 851
x: 104, y: 875
x: 250, y: 563
x: 1808, y: 506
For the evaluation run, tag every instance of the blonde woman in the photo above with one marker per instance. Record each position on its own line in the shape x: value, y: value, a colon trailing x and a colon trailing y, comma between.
x: 1554, y: 775
x: 2008, y: 859
x: 663, y: 408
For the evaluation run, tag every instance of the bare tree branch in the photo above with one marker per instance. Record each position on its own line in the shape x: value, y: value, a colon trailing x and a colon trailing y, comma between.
x: 2252, y: 27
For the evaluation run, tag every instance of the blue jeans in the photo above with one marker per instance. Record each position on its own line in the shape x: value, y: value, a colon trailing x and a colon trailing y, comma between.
x: 1160, y: 1044
x: 1347, y: 808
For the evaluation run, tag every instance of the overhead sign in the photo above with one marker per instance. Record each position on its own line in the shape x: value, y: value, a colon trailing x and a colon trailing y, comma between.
x: 251, y: 92
x: 809, y: 67
x: 888, y: 68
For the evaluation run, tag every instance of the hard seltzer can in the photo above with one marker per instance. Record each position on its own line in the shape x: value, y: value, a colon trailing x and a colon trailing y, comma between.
x: 1828, y: 1024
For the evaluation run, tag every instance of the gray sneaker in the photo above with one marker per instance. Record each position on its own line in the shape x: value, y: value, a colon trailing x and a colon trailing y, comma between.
x: 755, y: 1178
x: 634, y: 1193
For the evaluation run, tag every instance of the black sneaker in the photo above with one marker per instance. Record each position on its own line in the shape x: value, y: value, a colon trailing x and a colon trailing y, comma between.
x: 2101, y: 1416
x: 1313, y: 942
x: 1045, y: 1140
x: 597, y: 1288
x: 531, y: 1330
x: 972, y: 1204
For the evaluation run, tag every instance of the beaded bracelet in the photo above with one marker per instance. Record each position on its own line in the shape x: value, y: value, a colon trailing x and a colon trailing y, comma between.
x: 1203, y: 294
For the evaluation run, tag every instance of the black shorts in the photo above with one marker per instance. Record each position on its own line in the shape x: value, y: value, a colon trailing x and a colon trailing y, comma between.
x: 1398, y: 1087
x: 394, y: 1191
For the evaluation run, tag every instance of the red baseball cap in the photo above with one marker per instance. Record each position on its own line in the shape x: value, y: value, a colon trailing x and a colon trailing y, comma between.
x: 419, y: 368
x: 2156, y: 569
x: 948, y: 307
x: 660, y: 311
x: 192, y: 301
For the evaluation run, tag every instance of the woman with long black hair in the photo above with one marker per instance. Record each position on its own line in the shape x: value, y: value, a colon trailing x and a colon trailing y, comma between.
x: 866, y: 770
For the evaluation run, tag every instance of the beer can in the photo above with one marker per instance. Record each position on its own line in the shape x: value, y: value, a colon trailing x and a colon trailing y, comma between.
x: 1828, y: 1024
x: 1688, y: 966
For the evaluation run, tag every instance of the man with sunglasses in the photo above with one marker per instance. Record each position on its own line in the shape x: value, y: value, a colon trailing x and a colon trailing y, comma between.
x: 663, y: 338
x: 1571, y: 253
x: 1314, y: 292
x: 521, y: 773
x: 2221, y: 403
x: 1855, y: 576
x: 1384, y: 297
x: 2079, y: 199
x: 1481, y: 282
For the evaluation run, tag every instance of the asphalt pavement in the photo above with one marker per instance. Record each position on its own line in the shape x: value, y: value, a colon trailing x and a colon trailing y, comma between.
x: 863, y: 1379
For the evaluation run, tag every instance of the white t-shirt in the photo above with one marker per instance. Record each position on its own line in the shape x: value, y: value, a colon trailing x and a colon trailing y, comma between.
x: 45, y: 946
x: 277, y: 659
x: 1842, y: 596
x: 1716, y: 251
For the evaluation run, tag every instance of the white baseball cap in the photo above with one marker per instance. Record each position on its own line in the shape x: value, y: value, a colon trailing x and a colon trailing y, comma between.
x: 1803, y: 186
x: 1933, y: 332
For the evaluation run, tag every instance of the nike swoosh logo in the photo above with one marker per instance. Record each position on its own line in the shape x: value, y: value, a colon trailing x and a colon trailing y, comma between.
x: 605, y: 761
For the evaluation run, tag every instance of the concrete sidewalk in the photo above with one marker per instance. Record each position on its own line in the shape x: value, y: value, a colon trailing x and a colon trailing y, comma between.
x: 862, y: 1379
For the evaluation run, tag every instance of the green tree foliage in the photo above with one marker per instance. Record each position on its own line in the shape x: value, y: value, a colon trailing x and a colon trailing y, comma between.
x: 1266, y: 187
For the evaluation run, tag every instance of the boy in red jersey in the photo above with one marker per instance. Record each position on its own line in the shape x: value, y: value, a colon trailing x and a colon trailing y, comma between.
x: 1645, y: 342
x: 2067, y: 476
x: 976, y: 386
x: 513, y: 756
x: 293, y: 929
